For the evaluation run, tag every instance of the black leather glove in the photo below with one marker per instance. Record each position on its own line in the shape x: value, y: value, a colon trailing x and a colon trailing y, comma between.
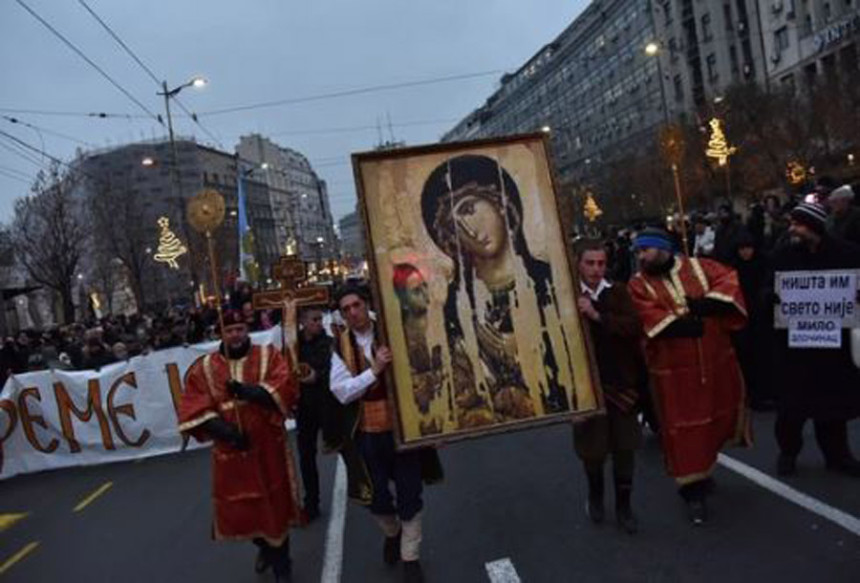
x: 227, y: 432
x: 708, y: 307
x: 686, y: 327
x: 252, y: 394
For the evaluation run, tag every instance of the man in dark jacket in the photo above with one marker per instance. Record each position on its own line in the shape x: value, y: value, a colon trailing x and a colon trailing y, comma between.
x: 616, y: 334
x: 315, y: 349
x: 728, y: 231
x: 752, y: 341
x: 818, y: 384
x: 844, y: 221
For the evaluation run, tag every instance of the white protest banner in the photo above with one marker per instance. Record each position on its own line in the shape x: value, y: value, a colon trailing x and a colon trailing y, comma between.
x: 127, y: 410
x: 817, y: 296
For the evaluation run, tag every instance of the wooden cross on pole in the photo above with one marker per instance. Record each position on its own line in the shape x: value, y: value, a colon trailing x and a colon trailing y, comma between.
x: 291, y: 272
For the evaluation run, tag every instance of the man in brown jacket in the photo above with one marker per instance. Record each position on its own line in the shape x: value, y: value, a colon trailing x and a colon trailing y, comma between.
x: 616, y: 334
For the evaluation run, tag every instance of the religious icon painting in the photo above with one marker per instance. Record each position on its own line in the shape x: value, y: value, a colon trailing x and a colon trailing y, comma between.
x: 473, y: 289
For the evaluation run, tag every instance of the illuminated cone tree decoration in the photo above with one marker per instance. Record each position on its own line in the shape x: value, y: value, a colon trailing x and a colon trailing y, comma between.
x: 590, y: 208
x: 170, y: 248
x: 718, y: 147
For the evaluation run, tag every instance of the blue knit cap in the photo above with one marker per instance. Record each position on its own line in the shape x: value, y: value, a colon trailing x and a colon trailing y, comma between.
x: 653, y: 238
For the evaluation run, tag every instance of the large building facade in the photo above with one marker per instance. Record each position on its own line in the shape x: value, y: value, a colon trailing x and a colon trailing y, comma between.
x: 143, y: 189
x: 298, y: 197
x: 593, y: 88
x: 806, y: 40
x: 705, y: 47
x: 351, y: 236
x: 617, y: 73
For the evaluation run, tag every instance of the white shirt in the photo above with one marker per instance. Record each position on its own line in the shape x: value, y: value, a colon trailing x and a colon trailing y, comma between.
x: 704, y: 244
x: 595, y: 294
x: 345, y: 387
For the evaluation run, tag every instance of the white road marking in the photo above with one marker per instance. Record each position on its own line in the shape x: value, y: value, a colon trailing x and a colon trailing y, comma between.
x: 333, y: 560
x: 843, y: 519
x: 502, y: 571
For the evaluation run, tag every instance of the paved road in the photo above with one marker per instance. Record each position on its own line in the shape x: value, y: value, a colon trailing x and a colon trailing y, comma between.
x: 516, y: 497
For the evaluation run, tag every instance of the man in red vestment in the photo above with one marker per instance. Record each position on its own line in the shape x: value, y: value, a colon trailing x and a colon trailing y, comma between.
x: 239, y: 396
x: 688, y: 308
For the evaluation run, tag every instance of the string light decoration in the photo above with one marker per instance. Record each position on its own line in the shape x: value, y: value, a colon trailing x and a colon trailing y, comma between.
x: 170, y: 248
x: 718, y: 147
x: 795, y: 172
x: 590, y: 208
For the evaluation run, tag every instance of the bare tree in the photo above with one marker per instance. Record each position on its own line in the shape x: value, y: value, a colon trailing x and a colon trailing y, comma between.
x: 50, y: 233
x: 104, y: 275
x: 123, y: 232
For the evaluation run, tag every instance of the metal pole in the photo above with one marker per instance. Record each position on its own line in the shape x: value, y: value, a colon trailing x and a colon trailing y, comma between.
x: 662, y: 90
x: 176, y: 182
x: 729, y: 180
x: 680, y: 198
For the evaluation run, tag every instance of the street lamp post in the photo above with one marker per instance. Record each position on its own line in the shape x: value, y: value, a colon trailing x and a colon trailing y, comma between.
x: 652, y: 49
x: 176, y: 182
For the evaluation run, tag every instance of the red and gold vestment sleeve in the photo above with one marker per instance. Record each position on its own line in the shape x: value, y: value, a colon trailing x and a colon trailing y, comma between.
x: 280, y: 382
x: 197, y: 406
x: 723, y: 286
x: 653, y: 313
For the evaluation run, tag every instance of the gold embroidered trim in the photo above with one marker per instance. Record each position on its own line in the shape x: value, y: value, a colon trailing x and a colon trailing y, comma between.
x: 207, y: 371
x: 661, y: 325
x: 277, y: 398
x: 700, y: 274
x: 697, y: 477
x: 237, y: 369
x: 727, y: 299
x: 649, y: 287
x: 188, y: 425
x: 264, y: 361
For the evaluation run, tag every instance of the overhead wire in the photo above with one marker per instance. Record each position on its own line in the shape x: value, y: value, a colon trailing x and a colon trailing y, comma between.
x: 349, y: 92
x: 15, y: 120
x: 21, y: 173
x: 147, y: 70
x: 89, y: 61
x: 33, y: 148
x: 24, y: 155
x: 11, y: 176
x: 102, y: 115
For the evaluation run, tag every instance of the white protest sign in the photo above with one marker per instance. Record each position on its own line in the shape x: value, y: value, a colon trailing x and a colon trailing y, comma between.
x: 817, y: 296
x: 812, y: 333
x: 53, y: 419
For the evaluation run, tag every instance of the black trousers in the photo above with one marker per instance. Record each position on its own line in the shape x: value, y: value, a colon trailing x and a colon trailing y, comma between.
x: 308, y: 423
x: 385, y: 464
x: 831, y: 435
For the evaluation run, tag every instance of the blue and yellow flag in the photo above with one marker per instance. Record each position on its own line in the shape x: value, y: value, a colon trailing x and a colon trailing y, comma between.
x: 249, y: 269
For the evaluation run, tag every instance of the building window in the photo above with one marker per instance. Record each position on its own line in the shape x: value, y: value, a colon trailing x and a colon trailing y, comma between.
x: 711, y: 62
x: 667, y: 13
x: 810, y: 72
x: 827, y: 12
x: 733, y: 59
x: 807, y: 26
x: 781, y: 39
x: 678, y: 85
x: 707, y: 34
x: 727, y: 16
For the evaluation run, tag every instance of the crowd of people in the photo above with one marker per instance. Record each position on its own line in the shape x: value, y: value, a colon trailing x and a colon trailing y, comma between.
x: 97, y: 342
x: 681, y: 322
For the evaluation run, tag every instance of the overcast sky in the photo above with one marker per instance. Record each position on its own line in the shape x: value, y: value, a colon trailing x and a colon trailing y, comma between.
x: 257, y: 51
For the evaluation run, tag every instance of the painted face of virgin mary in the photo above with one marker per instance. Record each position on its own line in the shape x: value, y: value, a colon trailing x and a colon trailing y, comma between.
x: 480, y: 227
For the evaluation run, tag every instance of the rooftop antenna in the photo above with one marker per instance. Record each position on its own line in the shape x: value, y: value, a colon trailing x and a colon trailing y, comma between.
x: 379, y: 132
x: 390, y: 127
